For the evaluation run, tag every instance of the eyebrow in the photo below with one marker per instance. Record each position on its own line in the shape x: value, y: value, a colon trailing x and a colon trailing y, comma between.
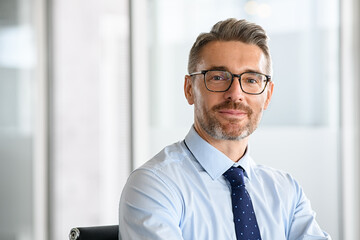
x: 223, y: 68
x: 220, y: 68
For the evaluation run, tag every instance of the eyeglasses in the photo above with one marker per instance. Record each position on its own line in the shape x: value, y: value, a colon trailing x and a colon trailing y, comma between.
x: 220, y: 81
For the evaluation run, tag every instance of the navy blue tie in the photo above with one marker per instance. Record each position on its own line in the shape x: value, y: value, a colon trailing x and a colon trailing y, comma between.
x: 246, y: 226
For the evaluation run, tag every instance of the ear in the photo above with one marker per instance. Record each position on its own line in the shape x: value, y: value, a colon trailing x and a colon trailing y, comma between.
x: 270, y: 89
x: 188, y: 89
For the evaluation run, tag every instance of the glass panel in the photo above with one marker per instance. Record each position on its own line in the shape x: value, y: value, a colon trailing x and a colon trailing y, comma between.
x: 301, y: 123
x: 17, y: 65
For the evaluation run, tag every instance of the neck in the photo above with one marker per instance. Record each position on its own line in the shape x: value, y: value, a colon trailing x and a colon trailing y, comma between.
x: 233, y: 149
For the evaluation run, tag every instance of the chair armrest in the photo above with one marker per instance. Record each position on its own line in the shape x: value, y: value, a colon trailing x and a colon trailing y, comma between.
x: 110, y: 232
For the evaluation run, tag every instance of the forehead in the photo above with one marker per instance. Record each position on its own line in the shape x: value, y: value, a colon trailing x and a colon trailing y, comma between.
x: 235, y: 56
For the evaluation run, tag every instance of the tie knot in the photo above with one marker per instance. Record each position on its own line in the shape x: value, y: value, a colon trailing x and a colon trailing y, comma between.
x: 235, y: 175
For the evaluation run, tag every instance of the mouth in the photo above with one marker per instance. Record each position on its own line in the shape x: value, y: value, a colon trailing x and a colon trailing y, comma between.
x: 233, y: 113
x: 233, y: 110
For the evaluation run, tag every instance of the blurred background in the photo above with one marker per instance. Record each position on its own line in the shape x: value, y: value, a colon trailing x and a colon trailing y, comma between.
x: 91, y: 89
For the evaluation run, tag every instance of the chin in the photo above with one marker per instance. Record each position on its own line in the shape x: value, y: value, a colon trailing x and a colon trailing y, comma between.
x: 236, y: 137
x: 236, y: 131
x: 221, y: 133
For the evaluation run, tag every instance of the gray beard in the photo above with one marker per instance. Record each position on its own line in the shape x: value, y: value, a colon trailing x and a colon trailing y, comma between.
x: 215, y: 129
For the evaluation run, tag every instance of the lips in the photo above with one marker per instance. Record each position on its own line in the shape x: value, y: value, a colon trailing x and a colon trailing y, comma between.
x: 232, y: 114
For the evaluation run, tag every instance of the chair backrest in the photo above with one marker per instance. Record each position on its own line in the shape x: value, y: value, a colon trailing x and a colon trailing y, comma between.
x: 110, y: 232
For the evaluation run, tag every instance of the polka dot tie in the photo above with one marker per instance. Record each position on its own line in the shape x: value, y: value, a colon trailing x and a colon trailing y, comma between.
x: 246, y: 226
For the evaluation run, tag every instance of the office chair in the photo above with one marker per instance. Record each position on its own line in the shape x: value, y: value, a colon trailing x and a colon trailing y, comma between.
x: 110, y: 232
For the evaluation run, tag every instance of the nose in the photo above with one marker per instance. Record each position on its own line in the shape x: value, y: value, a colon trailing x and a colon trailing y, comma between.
x: 235, y: 93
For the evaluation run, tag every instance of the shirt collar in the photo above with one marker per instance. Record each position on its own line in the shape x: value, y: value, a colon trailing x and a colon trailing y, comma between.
x: 214, y: 162
x: 246, y: 163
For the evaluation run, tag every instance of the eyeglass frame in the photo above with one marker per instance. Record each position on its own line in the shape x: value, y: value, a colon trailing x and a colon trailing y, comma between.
x: 268, y: 79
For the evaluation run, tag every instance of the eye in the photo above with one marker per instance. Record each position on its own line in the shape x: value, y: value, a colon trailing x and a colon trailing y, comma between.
x: 218, y: 78
x: 252, y: 80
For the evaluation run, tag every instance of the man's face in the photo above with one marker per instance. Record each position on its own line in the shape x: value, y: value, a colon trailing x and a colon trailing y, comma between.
x: 230, y: 115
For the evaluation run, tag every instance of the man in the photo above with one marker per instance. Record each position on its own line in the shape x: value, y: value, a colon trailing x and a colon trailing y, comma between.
x: 189, y: 190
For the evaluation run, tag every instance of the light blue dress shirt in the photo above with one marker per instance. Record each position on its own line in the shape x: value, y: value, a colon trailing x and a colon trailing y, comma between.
x: 182, y: 194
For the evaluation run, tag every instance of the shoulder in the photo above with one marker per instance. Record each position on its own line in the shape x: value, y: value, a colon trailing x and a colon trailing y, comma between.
x: 171, y: 156
x: 153, y: 187
x: 159, y: 183
x: 169, y: 164
x: 164, y: 170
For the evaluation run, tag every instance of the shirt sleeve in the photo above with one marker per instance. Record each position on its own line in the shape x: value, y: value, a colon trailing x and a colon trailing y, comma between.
x: 149, y: 208
x: 303, y: 225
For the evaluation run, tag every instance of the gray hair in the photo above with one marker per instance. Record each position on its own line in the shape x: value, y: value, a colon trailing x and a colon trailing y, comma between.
x: 231, y: 30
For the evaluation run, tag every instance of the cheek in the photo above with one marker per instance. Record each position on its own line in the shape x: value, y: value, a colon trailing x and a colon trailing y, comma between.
x: 262, y: 103
x: 199, y: 104
x: 208, y: 102
x: 204, y: 99
x: 201, y: 99
x: 258, y: 105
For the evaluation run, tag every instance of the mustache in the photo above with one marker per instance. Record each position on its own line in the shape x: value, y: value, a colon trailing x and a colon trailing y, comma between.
x: 233, y: 105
